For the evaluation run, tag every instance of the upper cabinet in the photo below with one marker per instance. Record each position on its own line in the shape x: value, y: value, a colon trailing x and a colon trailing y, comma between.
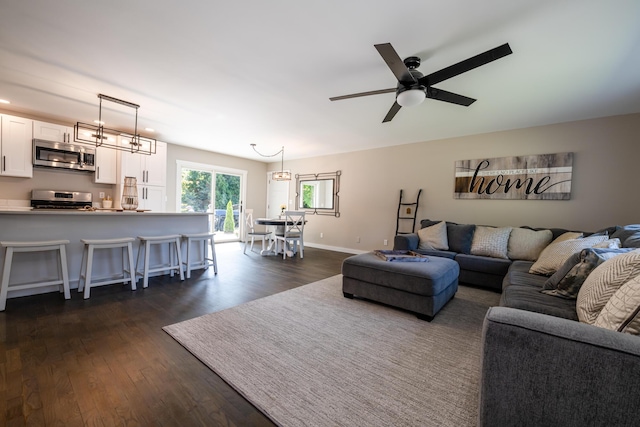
x: 52, y: 132
x: 148, y: 170
x: 106, y: 170
x: 16, y: 146
x: 150, y: 174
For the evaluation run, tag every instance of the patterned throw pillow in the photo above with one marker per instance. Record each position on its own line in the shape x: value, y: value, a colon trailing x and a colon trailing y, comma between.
x: 434, y: 237
x: 555, y: 255
x: 569, y: 285
x: 525, y: 244
x: 603, y: 282
x: 569, y: 235
x: 622, y: 311
x: 490, y: 241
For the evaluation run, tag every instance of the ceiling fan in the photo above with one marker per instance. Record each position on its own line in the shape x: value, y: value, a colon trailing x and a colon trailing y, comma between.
x: 413, y: 87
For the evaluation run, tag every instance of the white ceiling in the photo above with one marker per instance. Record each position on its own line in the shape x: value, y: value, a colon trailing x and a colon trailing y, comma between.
x: 222, y: 75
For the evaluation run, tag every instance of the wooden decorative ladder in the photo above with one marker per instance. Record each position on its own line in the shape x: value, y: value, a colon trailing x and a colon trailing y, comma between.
x: 407, y: 212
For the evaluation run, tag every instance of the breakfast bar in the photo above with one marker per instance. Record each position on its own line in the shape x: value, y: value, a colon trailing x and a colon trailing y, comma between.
x: 74, y: 225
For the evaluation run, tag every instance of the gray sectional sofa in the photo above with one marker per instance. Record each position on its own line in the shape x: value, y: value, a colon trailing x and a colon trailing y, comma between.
x: 540, y: 365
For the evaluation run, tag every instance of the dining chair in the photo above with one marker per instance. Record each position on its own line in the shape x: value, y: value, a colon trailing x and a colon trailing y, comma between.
x: 251, y: 232
x: 293, y: 233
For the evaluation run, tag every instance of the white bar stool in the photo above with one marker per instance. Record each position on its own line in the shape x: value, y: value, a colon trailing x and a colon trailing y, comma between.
x: 49, y: 245
x: 207, y: 241
x: 86, y: 280
x: 175, y: 256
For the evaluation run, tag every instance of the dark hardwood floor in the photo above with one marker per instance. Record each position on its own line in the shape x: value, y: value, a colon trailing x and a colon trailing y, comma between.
x: 105, y: 361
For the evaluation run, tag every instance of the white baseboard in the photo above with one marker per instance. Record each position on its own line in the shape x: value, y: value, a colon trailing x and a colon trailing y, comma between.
x: 335, y: 248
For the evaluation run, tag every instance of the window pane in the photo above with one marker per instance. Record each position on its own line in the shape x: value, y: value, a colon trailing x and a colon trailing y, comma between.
x: 196, y: 191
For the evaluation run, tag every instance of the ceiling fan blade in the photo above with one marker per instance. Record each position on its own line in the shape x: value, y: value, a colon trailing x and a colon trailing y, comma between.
x: 392, y: 112
x: 454, y: 98
x: 394, y: 62
x: 466, y: 65
x: 355, y: 95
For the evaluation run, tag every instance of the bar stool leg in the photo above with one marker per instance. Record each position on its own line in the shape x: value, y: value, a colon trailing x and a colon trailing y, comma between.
x: 133, y: 278
x: 214, y: 258
x: 178, y: 253
x: 65, y: 272
x: 83, y: 270
x: 6, y: 272
x: 145, y: 276
x: 188, y: 265
x: 87, y: 276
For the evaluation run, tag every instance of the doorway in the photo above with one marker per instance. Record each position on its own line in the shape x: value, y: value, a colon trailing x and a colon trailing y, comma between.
x: 215, y: 190
x: 277, y: 195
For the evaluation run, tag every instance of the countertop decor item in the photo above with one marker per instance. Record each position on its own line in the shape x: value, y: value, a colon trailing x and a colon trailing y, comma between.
x: 130, y: 193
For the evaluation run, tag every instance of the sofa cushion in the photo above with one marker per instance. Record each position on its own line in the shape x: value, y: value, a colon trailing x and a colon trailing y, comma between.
x: 526, y: 244
x: 490, y: 241
x: 434, y: 237
x: 555, y: 255
x: 496, y: 266
x: 622, y: 312
x: 460, y: 237
x: 569, y: 285
x: 603, y: 282
x: 525, y: 297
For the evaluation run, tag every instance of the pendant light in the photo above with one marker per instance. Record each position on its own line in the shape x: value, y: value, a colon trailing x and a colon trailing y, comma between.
x: 280, y: 175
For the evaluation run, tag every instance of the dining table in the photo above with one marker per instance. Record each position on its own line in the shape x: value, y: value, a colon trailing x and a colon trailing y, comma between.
x: 278, y: 224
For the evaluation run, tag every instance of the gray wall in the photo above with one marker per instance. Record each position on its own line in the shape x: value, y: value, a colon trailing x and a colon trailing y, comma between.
x: 604, y: 185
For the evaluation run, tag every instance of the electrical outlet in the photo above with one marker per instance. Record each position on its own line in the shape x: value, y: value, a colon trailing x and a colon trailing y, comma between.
x: 102, y: 195
x: 321, y: 235
x: 358, y: 239
x: 386, y: 242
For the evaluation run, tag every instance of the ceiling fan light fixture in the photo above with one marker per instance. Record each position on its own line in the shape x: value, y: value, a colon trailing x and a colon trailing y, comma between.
x: 411, y: 97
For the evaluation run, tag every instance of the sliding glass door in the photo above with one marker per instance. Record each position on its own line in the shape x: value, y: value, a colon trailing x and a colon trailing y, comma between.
x: 216, y: 190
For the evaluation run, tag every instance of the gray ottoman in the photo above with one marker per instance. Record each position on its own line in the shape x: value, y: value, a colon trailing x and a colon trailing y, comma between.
x: 421, y: 287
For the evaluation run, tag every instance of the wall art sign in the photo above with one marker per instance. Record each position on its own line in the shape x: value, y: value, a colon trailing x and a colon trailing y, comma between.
x: 536, y: 177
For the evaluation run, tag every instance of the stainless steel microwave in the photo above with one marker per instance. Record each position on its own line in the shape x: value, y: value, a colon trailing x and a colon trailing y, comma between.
x: 64, y: 155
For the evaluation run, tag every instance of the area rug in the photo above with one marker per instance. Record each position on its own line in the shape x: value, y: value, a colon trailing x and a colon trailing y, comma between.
x: 310, y: 357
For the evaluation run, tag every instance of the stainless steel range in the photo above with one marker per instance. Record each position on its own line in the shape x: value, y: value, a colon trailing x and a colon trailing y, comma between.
x: 52, y: 199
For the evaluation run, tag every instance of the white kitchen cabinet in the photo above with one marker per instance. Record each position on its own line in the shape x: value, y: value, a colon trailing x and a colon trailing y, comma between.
x: 16, y: 146
x: 52, y: 132
x: 152, y: 198
x: 106, y: 166
x: 150, y: 173
x: 147, y: 169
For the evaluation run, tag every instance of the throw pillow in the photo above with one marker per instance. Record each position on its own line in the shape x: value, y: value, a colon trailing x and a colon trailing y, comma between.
x: 569, y: 285
x: 623, y: 233
x: 632, y: 241
x: 603, y: 282
x: 609, y: 244
x: 554, y: 255
x: 460, y: 237
x: 525, y: 244
x: 490, y: 241
x: 622, y: 312
x: 572, y: 261
x: 434, y: 237
x: 569, y: 235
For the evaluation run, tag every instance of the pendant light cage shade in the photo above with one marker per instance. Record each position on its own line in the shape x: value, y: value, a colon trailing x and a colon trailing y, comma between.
x: 101, y: 136
x: 281, y: 176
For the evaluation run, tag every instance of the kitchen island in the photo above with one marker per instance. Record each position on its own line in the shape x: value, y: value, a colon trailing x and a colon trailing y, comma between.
x: 74, y: 225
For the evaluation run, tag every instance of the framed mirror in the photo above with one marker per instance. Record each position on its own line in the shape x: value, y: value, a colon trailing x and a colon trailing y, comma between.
x: 318, y: 193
